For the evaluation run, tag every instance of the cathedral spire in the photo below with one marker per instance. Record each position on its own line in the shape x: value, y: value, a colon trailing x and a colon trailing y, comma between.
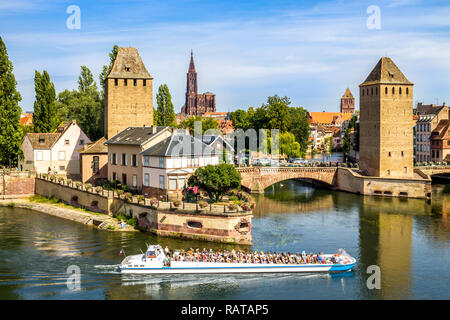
x: 191, y: 64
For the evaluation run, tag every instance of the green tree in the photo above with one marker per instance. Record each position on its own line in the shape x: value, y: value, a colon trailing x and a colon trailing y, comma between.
x: 278, y: 113
x: 165, y: 113
x: 216, y: 180
x: 207, y: 123
x: 107, y: 69
x: 288, y: 145
x: 45, y: 117
x: 299, y: 126
x: 241, y: 119
x: 84, y: 105
x: 10, y: 131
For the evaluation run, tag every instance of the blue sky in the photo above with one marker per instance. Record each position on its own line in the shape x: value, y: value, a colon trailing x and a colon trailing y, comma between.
x: 244, y: 50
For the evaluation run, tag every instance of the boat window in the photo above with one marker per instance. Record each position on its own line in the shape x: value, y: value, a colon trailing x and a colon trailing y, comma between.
x: 151, y: 254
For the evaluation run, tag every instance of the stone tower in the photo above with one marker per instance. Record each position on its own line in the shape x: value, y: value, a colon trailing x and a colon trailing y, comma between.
x: 128, y: 93
x: 347, y: 102
x: 386, y: 124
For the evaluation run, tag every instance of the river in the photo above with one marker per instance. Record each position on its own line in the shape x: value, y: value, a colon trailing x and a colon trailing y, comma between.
x: 408, y: 239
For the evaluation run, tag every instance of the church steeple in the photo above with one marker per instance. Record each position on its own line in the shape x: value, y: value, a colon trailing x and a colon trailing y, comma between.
x: 191, y: 64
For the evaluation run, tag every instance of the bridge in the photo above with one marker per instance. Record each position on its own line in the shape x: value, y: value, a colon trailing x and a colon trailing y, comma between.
x: 257, y: 179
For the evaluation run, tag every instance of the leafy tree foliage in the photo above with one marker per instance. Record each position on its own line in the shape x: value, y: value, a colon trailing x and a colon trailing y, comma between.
x: 216, y: 180
x: 289, y: 146
x: 207, y: 123
x: 107, y: 69
x: 45, y: 117
x: 10, y: 131
x: 299, y: 127
x: 165, y: 114
x: 84, y: 105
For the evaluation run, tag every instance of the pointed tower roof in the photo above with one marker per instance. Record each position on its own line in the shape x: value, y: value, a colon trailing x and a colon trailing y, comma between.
x: 386, y: 72
x: 191, y: 64
x: 347, y: 94
x: 128, y: 64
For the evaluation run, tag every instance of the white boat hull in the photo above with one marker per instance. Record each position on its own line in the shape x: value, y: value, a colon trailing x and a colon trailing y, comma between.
x: 208, y: 268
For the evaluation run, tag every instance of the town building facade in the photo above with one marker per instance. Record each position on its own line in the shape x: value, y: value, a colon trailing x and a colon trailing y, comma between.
x: 124, y: 160
x: 440, y: 142
x: 196, y: 104
x: 94, y: 162
x: 55, y: 152
x: 168, y: 164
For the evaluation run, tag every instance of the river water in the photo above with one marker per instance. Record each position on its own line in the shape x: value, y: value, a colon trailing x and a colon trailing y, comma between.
x: 409, y: 240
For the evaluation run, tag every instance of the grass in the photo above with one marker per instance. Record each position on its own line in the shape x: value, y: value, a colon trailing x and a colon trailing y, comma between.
x: 11, y: 205
x: 59, y: 203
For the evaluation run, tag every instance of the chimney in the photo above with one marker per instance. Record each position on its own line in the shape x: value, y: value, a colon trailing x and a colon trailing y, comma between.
x: 153, y: 129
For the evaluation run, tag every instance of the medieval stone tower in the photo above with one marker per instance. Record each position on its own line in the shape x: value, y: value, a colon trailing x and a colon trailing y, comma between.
x: 386, y: 124
x: 347, y: 102
x: 128, y: 93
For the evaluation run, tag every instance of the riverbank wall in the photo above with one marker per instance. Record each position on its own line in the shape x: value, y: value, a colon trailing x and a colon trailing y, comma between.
x: 213, y: 223
x: 350, y: 181
x: 14, y: 183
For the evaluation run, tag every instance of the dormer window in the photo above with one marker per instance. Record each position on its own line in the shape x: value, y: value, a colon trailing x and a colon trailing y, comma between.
x: 41, y: 140
x: 127, y: 68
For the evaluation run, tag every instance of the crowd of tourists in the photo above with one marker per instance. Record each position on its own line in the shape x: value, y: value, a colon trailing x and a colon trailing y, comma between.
x: 237, y: 256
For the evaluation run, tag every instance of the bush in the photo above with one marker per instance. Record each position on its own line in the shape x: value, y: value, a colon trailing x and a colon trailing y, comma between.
x: 78, y: 184
x: 233, y: 198
x: 232, y: 206
x: 68, y: 181
x: 202, y: 204
x: 128, y: 196
x: 132, y: 221
x: 154, y: 202
x: 52, y: 178
x: 60, y: 179
x: 245, y: 206
x: 98, y: 189
x: 176, y: 203
x: 140, y: 198
x: 88, y: 186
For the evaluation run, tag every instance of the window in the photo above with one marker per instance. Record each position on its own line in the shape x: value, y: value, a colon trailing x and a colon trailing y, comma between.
x: 173, y: 183
x: 402, y: 153
x: 393, y: 90
x: 145, y: 82
x: 146, y: 161
x: 161, y: 182
x: 400, y: 91
x: 61, y: 155
x: 161, y: 162
x: 124, y: 159
x: 146, y: 179
x: 125, y: 82
x: 116, y: 82
x: 66, y: 142
x: 81, y: 142
x: 405, y: 169
x: 181, y: 183
x: 114, y: 176
x: 376, y: 91
x: 135, y: 82
x: 62, y: 168
x: 371, y: 91
x: 124, y: 178
x: 389, y: 154
x: 38, y: 155
x: 134, y: 160
x: 386, y: 90
x: 95, y: 164
x: 113, y: 158
x: 407, y: 90
x: 134, y: 180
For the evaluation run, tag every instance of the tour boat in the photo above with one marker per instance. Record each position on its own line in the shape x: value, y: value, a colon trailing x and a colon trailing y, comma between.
x: 154, y: 261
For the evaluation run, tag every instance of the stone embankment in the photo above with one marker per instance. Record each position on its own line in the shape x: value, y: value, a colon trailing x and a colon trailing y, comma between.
x: 99, y: 221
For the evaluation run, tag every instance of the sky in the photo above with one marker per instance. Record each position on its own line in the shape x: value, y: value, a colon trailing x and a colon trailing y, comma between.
x: 244, y: 51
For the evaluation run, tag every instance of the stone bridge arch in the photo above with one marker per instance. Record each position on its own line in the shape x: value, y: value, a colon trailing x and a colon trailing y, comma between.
x: 257, y: 179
